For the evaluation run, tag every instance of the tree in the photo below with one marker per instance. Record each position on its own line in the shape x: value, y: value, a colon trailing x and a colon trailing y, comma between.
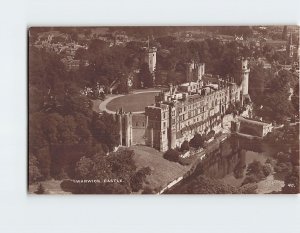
x: 137, y: 180
x: 267, y: 169
x: 105, y: 130
x: 123, y: 87
x: 275, y: 101
x: 295, y: 99
x: 40, y: 189
x: 197, y: 141
x: 80, y: 54
x: 255, y: 168
x: 172, y: 155
x: 185, y: 146
x: 33, y: 170
x: 258, y: 77
x: 145, y: 77
x: 276, y: 107
x: 116, y: 165
x: 84, y: 168
x: 44, y: 158
x: 257, y: 171
x: 159, y: 78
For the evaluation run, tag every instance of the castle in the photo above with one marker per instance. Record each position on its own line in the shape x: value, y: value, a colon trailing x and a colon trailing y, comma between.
x: 192, y: 107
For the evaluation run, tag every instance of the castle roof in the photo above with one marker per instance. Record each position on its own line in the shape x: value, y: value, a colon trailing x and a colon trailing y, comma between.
x: 188, y: 84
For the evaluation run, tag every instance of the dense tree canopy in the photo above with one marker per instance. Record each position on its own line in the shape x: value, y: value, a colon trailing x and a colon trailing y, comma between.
x: 116, y: 173
x: 197, y: 141
x: 274, y: 101
x: 61, y: 121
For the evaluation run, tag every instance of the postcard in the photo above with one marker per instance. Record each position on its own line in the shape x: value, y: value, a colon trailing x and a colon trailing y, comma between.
x: 163, y: 110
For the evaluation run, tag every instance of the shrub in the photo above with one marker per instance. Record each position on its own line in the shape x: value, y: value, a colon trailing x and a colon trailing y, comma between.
x: 68, y: 186
x: 249, y: 188
x: 197, y: 141
x: 282, y: 157
x: 283, y: 167
x: 40, y: 189
x: 257, y: 170
x: 171, y: 155
x: 210, y: 135
x: 137, y: 180
x: 250, y: 179
x: 185, y: 146
x: 218, y: 134
x: 267, y: 169
x: 33, y: 170
x: 272, y: 162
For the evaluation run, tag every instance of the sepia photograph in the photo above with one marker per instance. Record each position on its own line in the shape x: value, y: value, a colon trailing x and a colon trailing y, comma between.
x: 163, y: 110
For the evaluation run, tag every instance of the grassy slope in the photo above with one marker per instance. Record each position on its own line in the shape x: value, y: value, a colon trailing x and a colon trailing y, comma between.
x: 163, y: 171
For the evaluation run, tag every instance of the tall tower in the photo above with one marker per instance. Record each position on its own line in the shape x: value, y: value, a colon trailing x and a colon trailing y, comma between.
x: 151, y: 59
x: 190, y: 66
x: 125, y: 127
x: 245, y: 77
x: 201, y: 70
x: 156, y: 134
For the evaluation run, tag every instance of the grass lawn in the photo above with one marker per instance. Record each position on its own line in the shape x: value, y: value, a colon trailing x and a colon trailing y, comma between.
x: 132, y: 102
x: 162, y: 170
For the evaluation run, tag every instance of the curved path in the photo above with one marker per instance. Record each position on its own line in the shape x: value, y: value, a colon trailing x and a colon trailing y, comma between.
x: 103, y: 104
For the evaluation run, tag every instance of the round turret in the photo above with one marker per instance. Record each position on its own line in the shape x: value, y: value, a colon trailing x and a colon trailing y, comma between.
x: 245, y: 76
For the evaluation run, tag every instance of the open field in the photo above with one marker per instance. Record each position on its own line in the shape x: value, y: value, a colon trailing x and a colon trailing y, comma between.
x: 132, y: 102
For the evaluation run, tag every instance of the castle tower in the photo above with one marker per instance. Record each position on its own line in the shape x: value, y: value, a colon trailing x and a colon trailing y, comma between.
x: 190, y: 66
x: 200, y: 73
x: 245, y: 77
x: 151, y: 59
x: 125, y: 127
x: 156, y: 134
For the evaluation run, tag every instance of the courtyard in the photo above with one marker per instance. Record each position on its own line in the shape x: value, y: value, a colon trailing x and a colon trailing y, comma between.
x: 135, y: 102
